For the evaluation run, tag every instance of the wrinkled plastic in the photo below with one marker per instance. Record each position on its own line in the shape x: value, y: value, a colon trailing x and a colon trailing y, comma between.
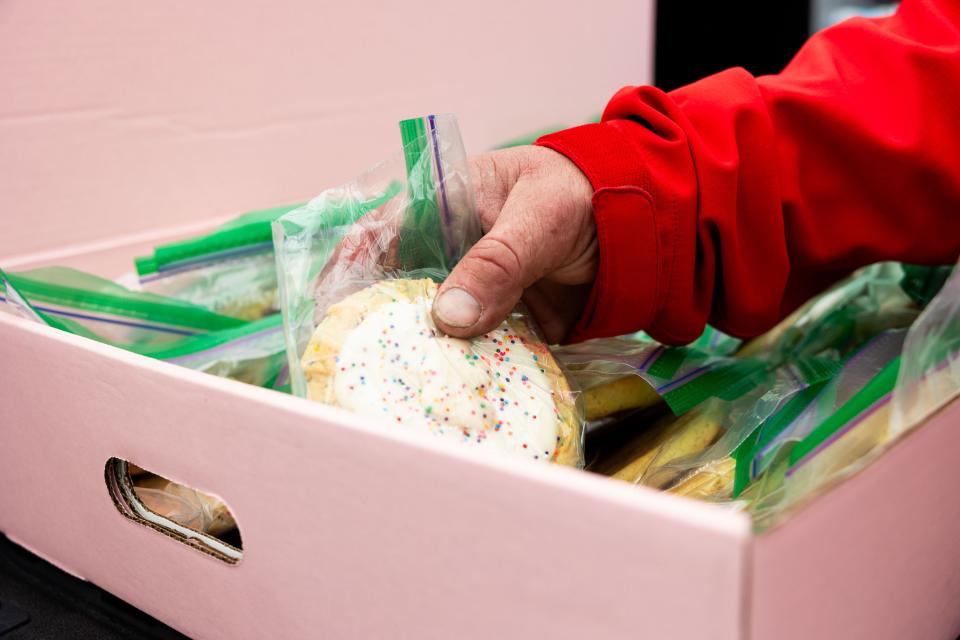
x: 857, y: 371
x: 243, y: 287
x: 744, y: 437
x: 231, y: 271
x: 148, y: 324
x: 693, y: 454
x: 841, y: 442
x: 841, y: 319
x: 929, y: 375
x: 185, y: 506
x: 632, y: 372
x: 103, y: 310
x: 254, y: 353
x: 891, y: 384
x: 358, y: 269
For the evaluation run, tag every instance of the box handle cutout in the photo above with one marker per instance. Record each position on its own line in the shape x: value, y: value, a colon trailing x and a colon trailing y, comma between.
x: 198, y: 520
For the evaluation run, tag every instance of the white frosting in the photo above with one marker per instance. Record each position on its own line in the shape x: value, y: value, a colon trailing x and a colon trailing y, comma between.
x: 490, y: 391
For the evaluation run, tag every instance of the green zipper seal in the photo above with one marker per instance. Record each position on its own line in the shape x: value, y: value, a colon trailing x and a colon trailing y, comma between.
x: 249, y: 229
x: 422, y: 221
x: 669, y: 362
x: 189, y: 345
x: 766, y: 432
x: 145, y: 265
x: 873, y: 392
x: 180, y: 315
x: 727, y: 381
x: 741, y: 458
x: 196, y: 344
x: 813, y: 369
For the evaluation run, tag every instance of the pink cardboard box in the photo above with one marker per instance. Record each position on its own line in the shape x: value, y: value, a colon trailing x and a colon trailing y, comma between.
x: 127, y: 124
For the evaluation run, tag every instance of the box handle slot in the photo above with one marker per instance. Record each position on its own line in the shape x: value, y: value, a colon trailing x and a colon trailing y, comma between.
x: 198, y: 520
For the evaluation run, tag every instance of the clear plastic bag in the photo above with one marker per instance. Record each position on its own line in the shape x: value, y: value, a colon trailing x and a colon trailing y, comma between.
x: 857, y: 371
x: 243, y: 287
x: 231, y: 271
x: 841, y: 319
x: 103, y: 310
x: 842, y: 441
x: 148, y: 324
x: 822, y: 410
x: 891, y: 385
x: 254, y: 353
x: 929, y: 375
x: 358, y: 269
x: 694, y: 454
x: 634, y: 372
x: 737, y: 405
x: 185, y: 506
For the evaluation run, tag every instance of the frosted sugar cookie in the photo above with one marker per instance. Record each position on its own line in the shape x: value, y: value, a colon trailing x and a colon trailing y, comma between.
x: 378, y: 353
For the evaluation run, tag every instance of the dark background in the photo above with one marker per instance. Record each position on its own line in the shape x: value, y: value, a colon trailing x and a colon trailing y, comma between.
x: 696, y: 39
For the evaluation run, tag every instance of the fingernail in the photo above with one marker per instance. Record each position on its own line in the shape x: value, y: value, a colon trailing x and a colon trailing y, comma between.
x: 457, y: 308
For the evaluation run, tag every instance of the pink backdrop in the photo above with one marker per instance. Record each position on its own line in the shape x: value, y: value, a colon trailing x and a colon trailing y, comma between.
x: 118, y: 116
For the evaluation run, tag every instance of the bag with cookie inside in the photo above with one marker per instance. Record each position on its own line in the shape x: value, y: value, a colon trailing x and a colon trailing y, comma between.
x: 358, y: 269
x: 148, y: 324
x: 230, y: 270
x: 629, y: 373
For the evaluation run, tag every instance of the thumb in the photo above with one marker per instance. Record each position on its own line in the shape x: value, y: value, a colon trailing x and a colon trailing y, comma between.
x: 490, y: 279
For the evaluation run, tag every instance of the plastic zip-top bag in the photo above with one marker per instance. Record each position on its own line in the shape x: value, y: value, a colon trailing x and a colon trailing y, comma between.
x: 929, y: 377
x: 894, y: 383
x: 796, y: 382
x: 96, y: 308
x: 231, y: 270
x: 694, y: 453
x: 185, y: 506
x: 634, y: 372
x: 157, y: 327
x: 359, y: 267
x: 841, y: 440
x: 909, y: 388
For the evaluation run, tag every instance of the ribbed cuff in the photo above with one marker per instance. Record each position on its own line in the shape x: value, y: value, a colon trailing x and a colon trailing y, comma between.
x: 625, y: 294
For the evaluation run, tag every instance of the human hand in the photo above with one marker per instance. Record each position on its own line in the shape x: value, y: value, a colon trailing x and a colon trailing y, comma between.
x: 540, y: 244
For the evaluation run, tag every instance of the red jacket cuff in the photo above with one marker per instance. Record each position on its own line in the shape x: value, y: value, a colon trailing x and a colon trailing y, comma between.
x: 626, y: 291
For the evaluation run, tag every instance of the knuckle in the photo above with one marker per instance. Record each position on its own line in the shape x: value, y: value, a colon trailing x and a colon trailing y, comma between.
x: 496, y: 258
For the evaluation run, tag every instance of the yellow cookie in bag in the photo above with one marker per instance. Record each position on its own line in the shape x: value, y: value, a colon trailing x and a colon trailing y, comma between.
x: 668, y: 440
x: 628, y: 392
x: 377, y: 352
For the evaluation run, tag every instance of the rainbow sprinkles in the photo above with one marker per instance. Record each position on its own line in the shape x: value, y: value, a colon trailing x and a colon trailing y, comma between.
x: 377, y: 352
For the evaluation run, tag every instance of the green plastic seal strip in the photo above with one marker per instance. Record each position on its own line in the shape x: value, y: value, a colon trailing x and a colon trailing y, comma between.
x: 669, y: 361
x: 10, y: 295
x: 744, y: 454
x: 422, y: 226
x: 726, y: 380
x: 871, y: 397
x: 84, y: 292
x: 195, y: 345
x: 251, y: 230
x: 248, y: 234
x: 341, y: 214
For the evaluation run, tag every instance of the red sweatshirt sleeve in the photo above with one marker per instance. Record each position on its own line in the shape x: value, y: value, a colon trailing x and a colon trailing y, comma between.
x: 734, y: 199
